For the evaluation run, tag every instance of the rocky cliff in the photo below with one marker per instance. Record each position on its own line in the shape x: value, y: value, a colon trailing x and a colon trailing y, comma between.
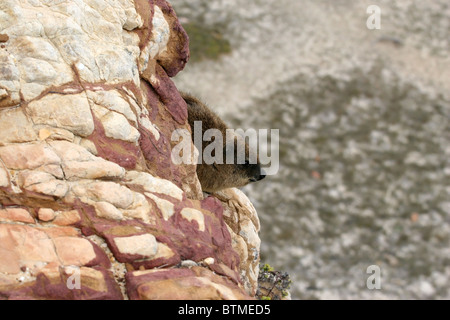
x: 92, y: 207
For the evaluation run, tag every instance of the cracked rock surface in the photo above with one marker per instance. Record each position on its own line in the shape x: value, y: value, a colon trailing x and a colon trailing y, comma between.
x: 91, y: 205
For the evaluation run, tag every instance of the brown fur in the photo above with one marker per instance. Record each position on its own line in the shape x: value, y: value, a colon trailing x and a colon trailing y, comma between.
x: 216, y: 176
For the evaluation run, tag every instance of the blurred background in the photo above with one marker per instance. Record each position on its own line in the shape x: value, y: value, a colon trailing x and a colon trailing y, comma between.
x: 364, y: 120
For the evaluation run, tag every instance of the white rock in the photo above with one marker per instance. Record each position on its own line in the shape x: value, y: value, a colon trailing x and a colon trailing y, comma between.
x: 78, y: 163
x: 104, y: 195
x: 4, y: 179
x: 117, y: 127
x: 9, y: 76
x: 28, y: 156
x: 71, y: 112
x: 188, y: 264
x: 225, y: 292
x: 104, y: 191
x: 249, y: 234
x: 89, y: 146
x: 158, y: 43
x: 144, y: 245
x: 113, y: 101
x: 209, y: 260
x: 84, y: 34
x: 153, y: 184
x: 43, y: 183
x: 147, y: 124
x: 196, y: 215
x: 55, y: 134
x: 36, y: 71
x: 107, y: 210
x: 140, y: 209
x: 92, y: 169
x: 36, y: 48
x: 166, y: 207
x: 46, y: 214
x: 163, y: 252
x: 160, y: 33
x: 21, y: 131
x: 3, y: 93
x: 133, y: 19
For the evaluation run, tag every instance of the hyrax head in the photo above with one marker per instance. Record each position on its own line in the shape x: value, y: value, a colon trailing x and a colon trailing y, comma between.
x: 226, y: 160
x: 239, y: 167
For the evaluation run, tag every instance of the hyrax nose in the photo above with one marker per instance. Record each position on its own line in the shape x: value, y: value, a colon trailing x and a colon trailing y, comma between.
x: 259, y: 176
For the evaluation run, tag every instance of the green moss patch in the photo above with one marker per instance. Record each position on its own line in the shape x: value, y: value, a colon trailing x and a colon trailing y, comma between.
x: 206, y: 42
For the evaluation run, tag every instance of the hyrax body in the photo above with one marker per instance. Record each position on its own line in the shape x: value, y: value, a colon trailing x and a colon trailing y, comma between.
x: 217, y: 176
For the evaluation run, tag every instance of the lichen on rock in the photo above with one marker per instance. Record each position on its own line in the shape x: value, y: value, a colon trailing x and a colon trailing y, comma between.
x: 91, y: 205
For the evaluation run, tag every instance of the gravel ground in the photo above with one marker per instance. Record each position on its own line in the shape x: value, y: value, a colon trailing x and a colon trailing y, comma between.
x: 364, y: 119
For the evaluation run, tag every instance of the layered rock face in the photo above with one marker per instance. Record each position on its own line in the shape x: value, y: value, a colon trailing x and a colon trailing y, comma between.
x: 92, y: 207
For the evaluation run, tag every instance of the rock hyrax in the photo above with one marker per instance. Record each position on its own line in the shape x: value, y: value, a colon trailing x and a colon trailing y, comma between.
x: 217, y: 176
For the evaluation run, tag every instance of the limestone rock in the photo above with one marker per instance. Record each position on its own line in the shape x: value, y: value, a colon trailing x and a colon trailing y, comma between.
x: 153, y: 184
x: 144, y: 245
x: 16, y: 214
x: 195, y: 283
x: 71, y: 112
x: 91, y: 205
x: 4, y: 179
x: 28, y: 156
x: 46, y: 214
x: 243, y: 221
x: 194, y: 215
x: 21, y: 131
